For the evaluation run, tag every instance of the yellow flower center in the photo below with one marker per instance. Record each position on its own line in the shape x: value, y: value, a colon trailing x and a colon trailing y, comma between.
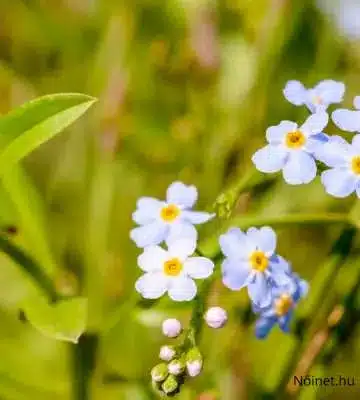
x: 355, y: 165
x: 170, y: 212
x: 283, y: 304
x: 295, y: 139
x: 259, y: 261
x: 172, y: 267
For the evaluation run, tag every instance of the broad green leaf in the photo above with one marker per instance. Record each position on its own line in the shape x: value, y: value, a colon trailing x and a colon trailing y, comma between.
x: 34, y: 123
x: 64, y: 320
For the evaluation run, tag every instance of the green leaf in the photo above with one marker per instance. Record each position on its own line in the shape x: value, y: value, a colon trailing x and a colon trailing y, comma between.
x: 34, y: 123
x: 64, y: 320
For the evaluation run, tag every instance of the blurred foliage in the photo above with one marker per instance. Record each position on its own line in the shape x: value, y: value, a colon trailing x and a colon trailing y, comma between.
x: 186, y: 90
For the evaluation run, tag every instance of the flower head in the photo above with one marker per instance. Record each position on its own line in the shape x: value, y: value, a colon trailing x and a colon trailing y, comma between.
x: 317, y: 98
x: 293, y: 149
x: 285, y: 299
x: 348, y: 120
x: 172, y: 270
x: 173, y: 218
x: 343, y: 177
x: 251, y: 262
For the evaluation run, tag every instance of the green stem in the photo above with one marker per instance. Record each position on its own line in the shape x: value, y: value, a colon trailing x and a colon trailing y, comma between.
x: 30, y: 267
x: 210, y: 246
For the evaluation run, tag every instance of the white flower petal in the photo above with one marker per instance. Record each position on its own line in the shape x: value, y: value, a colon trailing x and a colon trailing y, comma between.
x: 181, y: 230
x: 152, y: 258
x: 152, y: 285
x: 198, y: 267
x: 300, y: 168
x: 270, y: 159
x: 236, y: 274
x: 295, y: 93
x: 339, y: 182
x: 197, y: 217
x: 150, y: 234
x: 147, y: 210
x: 275, y: 134
x: 357, y: 102
x: 182, y: 195
x: 182, y: 289
x: 264, y: 239
x: 315, y: 123
x: 347, y: 120
x: 182, y: 248
x: 356, y: 143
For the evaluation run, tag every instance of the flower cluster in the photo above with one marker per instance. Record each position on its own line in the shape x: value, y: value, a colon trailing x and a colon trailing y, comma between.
x: 296, y: 150
x: 251, y: 261
x: 178, y: 362
x: 173, y: 269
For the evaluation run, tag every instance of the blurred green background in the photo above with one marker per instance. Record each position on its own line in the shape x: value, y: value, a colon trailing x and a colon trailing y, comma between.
x: 186, y: 90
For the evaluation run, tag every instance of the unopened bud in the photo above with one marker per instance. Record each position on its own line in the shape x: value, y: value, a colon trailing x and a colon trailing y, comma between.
x: 159, y: 373
x: 171, y: 327
x: 194, y: 368
x: 167, y: 353
x: 170, y: 385
x: 177, y: 366
x: 216, y: 317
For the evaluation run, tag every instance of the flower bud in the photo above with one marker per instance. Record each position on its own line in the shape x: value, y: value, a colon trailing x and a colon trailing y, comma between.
x: 216, y: 317
x: 167, y: 353
x: 159, y: 373
x: 170, y: 385
x: 171, y: 327
x: 177, y: 366
x: 194, y: 368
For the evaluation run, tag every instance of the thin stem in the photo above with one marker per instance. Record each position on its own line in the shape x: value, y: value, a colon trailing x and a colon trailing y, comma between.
x: 30, y: 267
x: 210, y: 246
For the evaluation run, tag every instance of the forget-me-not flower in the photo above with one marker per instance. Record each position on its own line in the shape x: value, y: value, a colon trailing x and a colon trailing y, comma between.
x: 348, y: 120
x: 160, y: 220
x: 285, y: 299
x: 317, y: 98
x: 344, y: 160
x: 172, y: 270
x: 251, y: 262
x: 293, y: 149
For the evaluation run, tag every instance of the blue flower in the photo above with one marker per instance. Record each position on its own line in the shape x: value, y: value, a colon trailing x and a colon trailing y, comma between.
x: 293, y: 149
x: 285, y: 299
x: 316, y: 99
x: 250, y: 261
x: 344, y: 159
x: 170, y: 219
x: 348, y: 120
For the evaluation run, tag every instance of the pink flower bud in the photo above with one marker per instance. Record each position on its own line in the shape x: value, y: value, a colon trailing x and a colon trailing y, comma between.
x: 171, y: 327
x: 216, y: 317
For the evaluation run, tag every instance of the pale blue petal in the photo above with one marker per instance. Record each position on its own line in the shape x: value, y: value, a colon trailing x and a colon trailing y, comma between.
x: 347, y: 120
x: 148, y: 235
x: 295, y: 93
x: 148, y: 210
x: 197, y: 217
x: 270, y: 159
x: 315, y: 123
x: 152, y: 259
x: 284, y: 322
x: 357, y: 102
x: 339, y: 182
x: 235, y: 274
x: 263, y: 239
x: 182, y: 195
x: 300, y: 168
x: 235, y: 244
x: 356, y: 143
x: 330, y: 91
x: 334, y: 153
x: 260, y: 291
x: 275, y: 134
x: 198, y: 267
